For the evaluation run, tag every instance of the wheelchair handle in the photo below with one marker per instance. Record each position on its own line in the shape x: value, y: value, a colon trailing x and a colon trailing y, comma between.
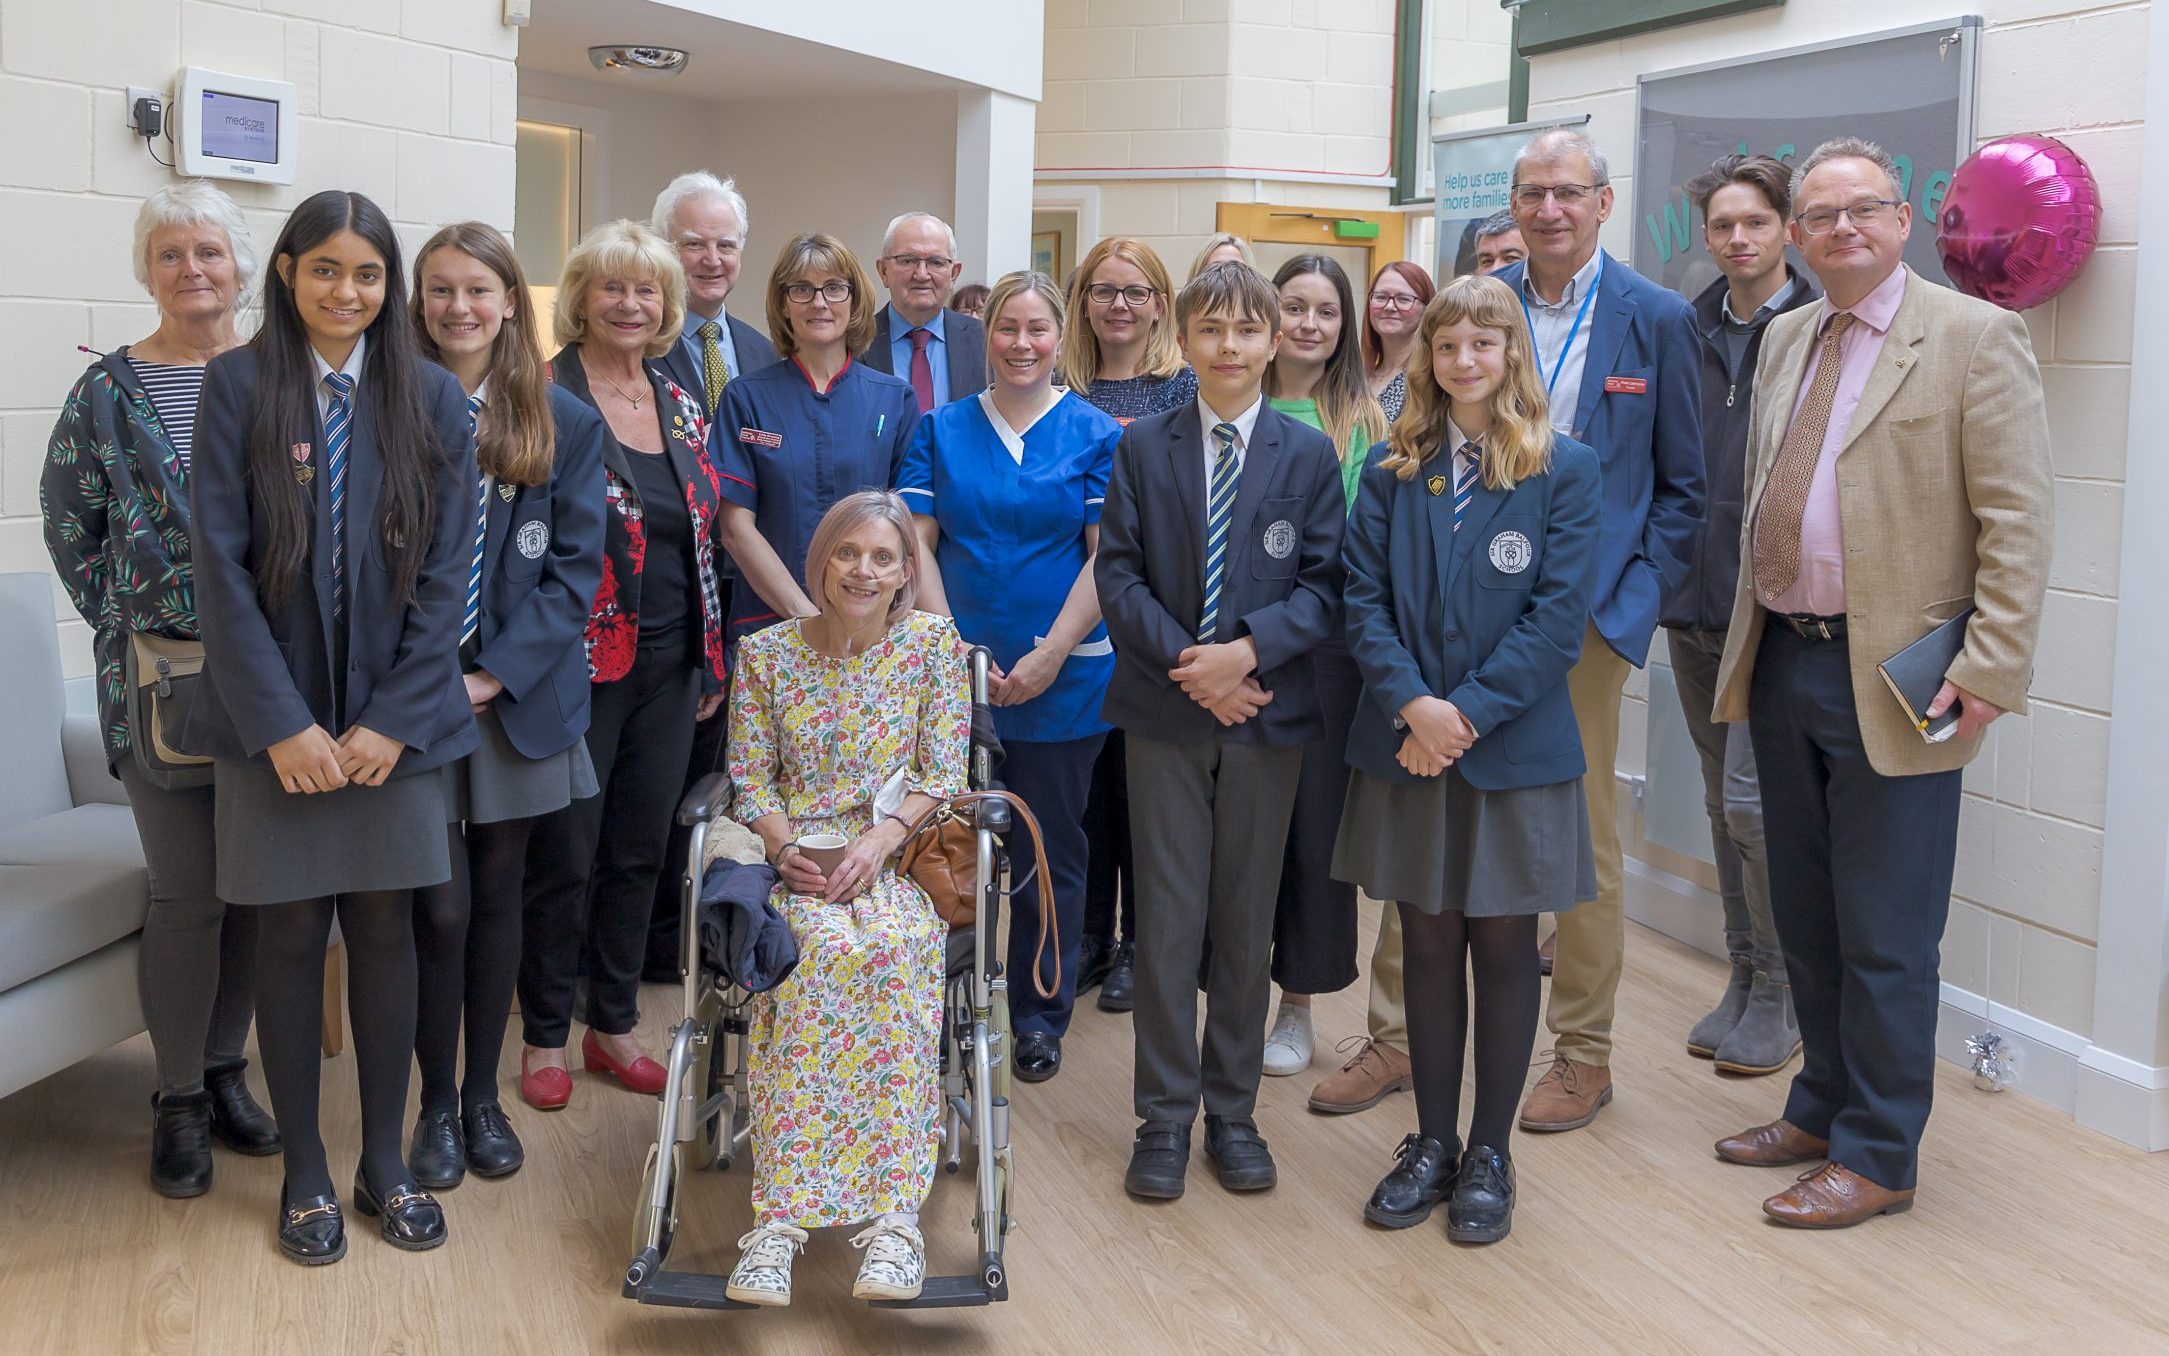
x: 710, y: 796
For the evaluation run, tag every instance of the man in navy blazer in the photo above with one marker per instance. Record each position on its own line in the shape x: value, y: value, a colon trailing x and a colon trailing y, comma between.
x: 1218, y: 571
x: 918, y: 265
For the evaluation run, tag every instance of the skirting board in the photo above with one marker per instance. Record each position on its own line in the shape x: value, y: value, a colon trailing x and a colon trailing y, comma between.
x: 2102, y: 1091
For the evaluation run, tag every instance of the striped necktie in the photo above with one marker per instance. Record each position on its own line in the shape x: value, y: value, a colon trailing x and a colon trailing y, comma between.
x: 1466, y: 463
x: 471, y: 620
x: 1220, y: 504
x: 714, y: 374
x: 338, y: 427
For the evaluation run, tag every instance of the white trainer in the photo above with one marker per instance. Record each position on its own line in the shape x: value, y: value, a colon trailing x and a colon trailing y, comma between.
x: 763, y: 1273
x: 1289, y: 1047
x: 895, y: 1265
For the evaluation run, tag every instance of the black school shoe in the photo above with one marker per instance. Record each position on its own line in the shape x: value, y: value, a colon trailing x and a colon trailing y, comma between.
x: 1118, y: 992
x: 236, y: 1120
x: 1159, y: 1159
x: 1422, y: 1175
x: 1239, y: 1155
x: 1039, y: 1056
x: 1481, y: 1208
x: 181, y: 1144
x: 412, y: 1219
x: 492, y: 1149
x: 311, y: 1230
x: 437, y: 1153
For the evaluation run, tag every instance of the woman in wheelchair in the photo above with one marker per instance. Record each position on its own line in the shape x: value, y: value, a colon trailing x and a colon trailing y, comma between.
x: 844, y: 1056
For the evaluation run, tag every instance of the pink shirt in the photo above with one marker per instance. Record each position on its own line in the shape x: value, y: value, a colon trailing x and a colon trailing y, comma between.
x: 1819, y: 589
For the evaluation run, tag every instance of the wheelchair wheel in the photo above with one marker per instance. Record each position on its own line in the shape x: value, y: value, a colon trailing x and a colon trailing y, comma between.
x: 670, y: 1203
x: 708, y: 1076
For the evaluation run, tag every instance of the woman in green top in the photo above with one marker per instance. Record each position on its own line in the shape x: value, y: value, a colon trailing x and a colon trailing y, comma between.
x: 1317, y: 376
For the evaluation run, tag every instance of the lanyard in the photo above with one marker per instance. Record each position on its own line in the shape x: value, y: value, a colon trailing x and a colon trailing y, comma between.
x: 1579, y: 317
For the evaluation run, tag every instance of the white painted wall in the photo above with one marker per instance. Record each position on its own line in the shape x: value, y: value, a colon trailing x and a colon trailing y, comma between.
x: 990, y: 43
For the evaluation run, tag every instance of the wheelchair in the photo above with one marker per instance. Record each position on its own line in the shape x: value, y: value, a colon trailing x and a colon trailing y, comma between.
x: 705, y: 1115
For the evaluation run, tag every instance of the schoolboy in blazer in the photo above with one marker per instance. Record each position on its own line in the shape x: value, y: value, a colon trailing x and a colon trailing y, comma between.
x: 1215, y: 716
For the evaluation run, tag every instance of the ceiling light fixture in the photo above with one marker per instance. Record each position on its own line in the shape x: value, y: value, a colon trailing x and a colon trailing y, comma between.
x: 635, y: 59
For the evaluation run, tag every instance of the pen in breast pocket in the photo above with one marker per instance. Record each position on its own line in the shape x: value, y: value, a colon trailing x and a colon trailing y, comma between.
x: 880, y: 423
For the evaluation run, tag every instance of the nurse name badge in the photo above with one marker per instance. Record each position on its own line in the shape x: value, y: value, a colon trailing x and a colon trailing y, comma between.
x: 533, y: 539
x: 1511, y: 553
x: 1280, y: 539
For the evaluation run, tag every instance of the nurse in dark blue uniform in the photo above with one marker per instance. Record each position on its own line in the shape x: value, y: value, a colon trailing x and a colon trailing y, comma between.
x: 1006, y: 489
x: 800, y: 435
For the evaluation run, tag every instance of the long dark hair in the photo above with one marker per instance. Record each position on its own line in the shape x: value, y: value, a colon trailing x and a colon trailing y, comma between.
x: 517, y: 439
x: 1352, y: 418
x: 391, y: 388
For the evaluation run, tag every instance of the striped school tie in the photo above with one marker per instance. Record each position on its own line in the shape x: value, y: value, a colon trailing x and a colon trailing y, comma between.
x: 471, y: 621
x: 338, y: 427
x: 1466, y: 462
x: 1219, y: 505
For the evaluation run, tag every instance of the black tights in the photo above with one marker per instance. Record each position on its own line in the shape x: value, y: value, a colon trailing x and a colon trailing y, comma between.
x: 378, y: 928
x: 1439, y: 950
x: 467, y: 943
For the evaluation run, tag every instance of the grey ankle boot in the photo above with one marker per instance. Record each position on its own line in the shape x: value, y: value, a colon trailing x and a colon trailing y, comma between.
x: 1710, y: 1032
x: 1768, y: 1034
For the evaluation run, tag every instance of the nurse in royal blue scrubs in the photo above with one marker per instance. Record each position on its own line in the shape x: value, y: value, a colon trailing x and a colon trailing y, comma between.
x: 1006, y: 490
x: 800, y: 435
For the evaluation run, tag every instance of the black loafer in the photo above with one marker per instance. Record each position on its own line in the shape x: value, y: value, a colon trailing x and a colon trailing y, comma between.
x: 236, y: 1120
x: 438, y: 1152
x: 1118, y: 992
x: 1039, y: 1057
x: 412, y: 1219
x: 1159, y: 1159
x: 492, y: 1149
x: 1481, y: 1208
x: 1421, y: 1177
x: 1239, y: 1155
x: 1094, y: 960
x: 312, y: 1231
x: 181, y: 1144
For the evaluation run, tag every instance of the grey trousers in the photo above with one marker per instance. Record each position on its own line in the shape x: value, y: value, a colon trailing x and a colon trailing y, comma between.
x: 196, y: 970
x: 1201, y: 819
x: 1732, y: 796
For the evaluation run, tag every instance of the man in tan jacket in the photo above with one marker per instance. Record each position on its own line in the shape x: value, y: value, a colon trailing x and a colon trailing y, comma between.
x: 1900, y: 474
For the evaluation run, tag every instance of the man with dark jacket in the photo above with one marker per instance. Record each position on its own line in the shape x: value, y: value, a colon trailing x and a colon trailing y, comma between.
x: 1744, y: 201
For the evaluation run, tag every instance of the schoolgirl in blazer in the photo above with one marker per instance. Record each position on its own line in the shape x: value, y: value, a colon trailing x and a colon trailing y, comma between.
x: 333, y: 496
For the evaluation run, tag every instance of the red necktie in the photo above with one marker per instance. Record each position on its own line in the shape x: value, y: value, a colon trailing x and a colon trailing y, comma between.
x: 922, y: 371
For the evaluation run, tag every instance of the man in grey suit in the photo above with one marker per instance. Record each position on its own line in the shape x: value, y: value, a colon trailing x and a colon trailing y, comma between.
x: 941, y: 353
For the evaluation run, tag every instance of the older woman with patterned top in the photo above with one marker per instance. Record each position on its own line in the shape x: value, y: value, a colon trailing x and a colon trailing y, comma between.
x: 115, y: 499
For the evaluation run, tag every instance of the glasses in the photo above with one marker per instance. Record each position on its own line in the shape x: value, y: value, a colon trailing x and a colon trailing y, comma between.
x: 834, y: 290
x: 1104, y: 294
x: 1566, y: 195
x: 1394, y: 301
x: 912, y: 263
x: 1824, y: 220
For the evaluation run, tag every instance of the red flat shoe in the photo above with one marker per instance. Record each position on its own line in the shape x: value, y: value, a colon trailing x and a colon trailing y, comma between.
x: 546, y: 1089
x: 642, y: 1075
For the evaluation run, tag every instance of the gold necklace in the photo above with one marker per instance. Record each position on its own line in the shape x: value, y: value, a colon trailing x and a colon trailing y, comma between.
x: 633, y: 400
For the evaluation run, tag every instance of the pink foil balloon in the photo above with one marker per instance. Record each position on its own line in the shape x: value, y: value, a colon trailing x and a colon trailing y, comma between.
x: 2021, y: 217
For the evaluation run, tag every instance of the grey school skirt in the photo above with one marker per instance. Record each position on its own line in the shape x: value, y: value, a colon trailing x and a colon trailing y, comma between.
x: 1440, y: 844
x: 275, y: 847
x: 497, y: 782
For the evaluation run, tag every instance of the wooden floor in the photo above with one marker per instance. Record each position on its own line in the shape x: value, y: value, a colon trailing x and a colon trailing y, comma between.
x: 2031, y: 1235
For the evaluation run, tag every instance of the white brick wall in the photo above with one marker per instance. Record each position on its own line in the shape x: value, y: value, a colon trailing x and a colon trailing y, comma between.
x: 2027, y: 894
x: 409, y: 101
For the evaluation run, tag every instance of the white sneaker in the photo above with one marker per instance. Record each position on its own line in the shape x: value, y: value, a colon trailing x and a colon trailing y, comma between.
x: 895, y: 1265
x: 763, y: 1273
x: 1288, y: 1049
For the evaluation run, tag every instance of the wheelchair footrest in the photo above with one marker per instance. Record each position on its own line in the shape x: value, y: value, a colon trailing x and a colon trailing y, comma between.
x: 686, y: 1290
x: 949, y: 1292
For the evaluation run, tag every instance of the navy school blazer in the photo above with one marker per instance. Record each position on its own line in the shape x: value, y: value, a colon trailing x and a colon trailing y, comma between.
x: 1281, y: 586
x: 540, y: 569
x: 1641, y: 409
x: 267, y: 669
x: 1489, y: 618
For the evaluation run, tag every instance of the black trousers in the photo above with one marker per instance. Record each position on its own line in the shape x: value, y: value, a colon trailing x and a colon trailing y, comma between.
x: 592, y: 867
x: 666, y: 925
x: 1860, y: 883
x: 1055, y: 779
x: 1110, y: 865
x: 1314, y: 924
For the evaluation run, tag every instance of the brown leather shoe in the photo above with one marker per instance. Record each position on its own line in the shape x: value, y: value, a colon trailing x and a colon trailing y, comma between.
x: 1545, y: 951
x: 1368, y: 1078
x: 1834, y: 1197
x: 1779, y: 1144
x: 1568, y: 1097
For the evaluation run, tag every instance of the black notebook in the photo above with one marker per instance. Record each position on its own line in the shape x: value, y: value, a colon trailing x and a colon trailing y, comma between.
x: 1915, y: 675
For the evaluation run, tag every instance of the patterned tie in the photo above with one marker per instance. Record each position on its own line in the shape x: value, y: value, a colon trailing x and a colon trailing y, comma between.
x: 1784, y: 499
x: 1465, y: 463
x: 337, y: 428
x: 922, y: 371
x: 713, y: 374
x: 471, y: 622
x: 1220, y: 503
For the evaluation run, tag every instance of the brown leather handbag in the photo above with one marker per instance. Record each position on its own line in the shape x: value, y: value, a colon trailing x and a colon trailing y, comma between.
x: 941, y: 855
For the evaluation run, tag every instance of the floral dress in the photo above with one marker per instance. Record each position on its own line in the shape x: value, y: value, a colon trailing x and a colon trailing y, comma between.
x: 844, y: 1056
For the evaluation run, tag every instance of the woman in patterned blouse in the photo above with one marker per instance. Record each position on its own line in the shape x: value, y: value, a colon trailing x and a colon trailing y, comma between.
x: 844, y: 1055
x: 115, y: 497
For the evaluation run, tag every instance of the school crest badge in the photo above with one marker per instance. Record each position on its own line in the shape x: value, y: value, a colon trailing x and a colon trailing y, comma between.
x: 1511, y: 553
x: 533, y: 539
x: 1280, y: 539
